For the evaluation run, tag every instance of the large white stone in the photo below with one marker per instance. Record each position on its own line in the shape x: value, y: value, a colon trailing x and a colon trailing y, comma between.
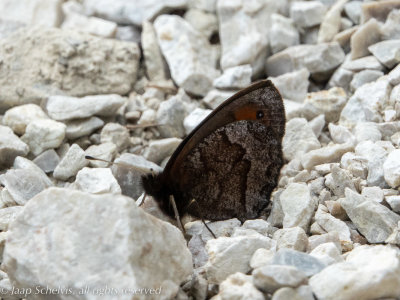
x: 374, y: 221
x: 234, y: 78
x: 10, y: 146
x: 328, y: 102
x: 369, y: 272
x: 391, y: 168
x: 96, y: 181
x: 83, y: 127
x: 32, y: 12
x: 116, y: 134
x: 155, y: 66
x: 105, y: 151
x: 331, y: 22
x: 17, y: 118
x: 233, y: 254
x: 71, y: 163
x: 292, y: 238
x: 299, y: 138
x: 375, y: 155
x: 367, y: 34
x: 194, y: 118
x: 327, y: 154
x: 132, y: 12
x: 307, y: 13
x: 171, y: 114
x: 92, y: 25
x: 270, y: 278
x: 238, y: 286
x: 293, y: 85
x: 42, y: 62
x: 204, y: 22
x: 320, y: 60
x: 245, y: 44
x: 129, y: 248
x: 327, y: 253
x: 191, y: 58
x: 161, y: 149
x: 44, y: 134
x: 63, y: 108
x: 283, y: 33
x: 297, y: 206
x: 387, y: 52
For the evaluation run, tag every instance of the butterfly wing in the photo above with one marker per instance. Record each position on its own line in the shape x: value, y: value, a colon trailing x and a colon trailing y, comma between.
x: 231, y: 173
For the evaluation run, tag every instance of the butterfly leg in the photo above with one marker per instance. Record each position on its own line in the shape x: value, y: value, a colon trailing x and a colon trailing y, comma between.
x: 202, y: 219
x: 177, y: 217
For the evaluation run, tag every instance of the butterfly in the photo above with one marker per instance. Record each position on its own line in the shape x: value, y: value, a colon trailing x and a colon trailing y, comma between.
x: 230, y: 163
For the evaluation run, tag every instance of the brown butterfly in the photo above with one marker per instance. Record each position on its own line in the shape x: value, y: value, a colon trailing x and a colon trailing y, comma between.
x: 230, y: 163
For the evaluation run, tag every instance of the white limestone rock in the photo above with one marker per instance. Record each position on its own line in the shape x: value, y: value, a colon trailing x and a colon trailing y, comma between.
x: 106, y: 151
x: 331, y: 22
x: 373, y: 220
x: 367, y: 34
x: 375, y: 155
x: 191, y: 58
x: 320, y: 60
x: 33, y: 12
x: 366, y: 103
x: 96, y: 181
x: 327, y: 154
x: 92, y: 25
x: 340, y: 134
x: 116, y: 134
x: 270, y: 278
x: 297, y: 206
x: 329, y: 223
x: 364, y: 63
x: 328, y: 253
x: 155, y: 66
x: 62, y: 108
x: 394, y: 202
x: 43, y: 134
x: 391, y: 169
x: 328, y: 102
x: 216, y: 97
x: 25, y: 181
x: 194, y: 118
x: 353, y: 10
x: 204, y: 22
x: 303, y: 292
x: 367, y: 131
x: 73, y: 161
x: 234, y: 78
x: 10, y: 146
x: 261, y: 258
x: 245, y: 44
x: 341, y: 78
x: 158, y: 150
x: 306, y: 263
x: 283, y: 33
x: 129, y: 170
x: 307, y: 13
x: 390, y: 30
x: 132, y: 12
x: 47, y: 160
x: 43, y: 63
x: 292, y: 238
x: 121, y: 231
x: 231, y: 255
x: 364, y: 77
x: 78, y: 128
x: 299, y: 138
x: 17, y: 118
x: 171, y: 114
x: 369, y: 272
x: 293, y: 85
x: 238, y: 286
x: 9, y: 214
x: 338, y: 180
x: 387, y: 52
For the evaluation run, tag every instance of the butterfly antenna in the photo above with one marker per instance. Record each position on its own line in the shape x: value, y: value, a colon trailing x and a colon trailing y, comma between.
x: 201, y: 216
x: 177, y: 217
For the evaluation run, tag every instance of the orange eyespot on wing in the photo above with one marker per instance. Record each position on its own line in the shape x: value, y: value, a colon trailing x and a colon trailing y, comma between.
x: 246, y: 113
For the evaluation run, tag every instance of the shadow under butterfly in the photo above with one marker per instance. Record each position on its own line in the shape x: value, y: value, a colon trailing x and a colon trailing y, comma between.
x: 229, y: 164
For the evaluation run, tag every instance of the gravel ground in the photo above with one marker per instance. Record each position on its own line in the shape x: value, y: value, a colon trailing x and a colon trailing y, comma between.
x: 73, y: 74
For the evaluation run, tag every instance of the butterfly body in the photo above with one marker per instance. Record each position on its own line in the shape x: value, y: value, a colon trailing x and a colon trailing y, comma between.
x: 230, y: 163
